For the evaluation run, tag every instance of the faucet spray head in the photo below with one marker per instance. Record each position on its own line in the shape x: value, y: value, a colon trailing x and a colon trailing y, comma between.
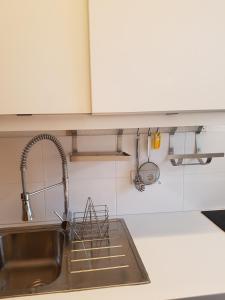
x: 27, y: 214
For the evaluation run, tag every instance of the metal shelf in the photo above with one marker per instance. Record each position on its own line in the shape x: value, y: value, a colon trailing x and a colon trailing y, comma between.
x: 118, y: 155
x: 99, y: 156
x: 177, y: 159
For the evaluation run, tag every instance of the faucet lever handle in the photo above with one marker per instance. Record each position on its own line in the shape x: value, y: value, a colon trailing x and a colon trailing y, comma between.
x: 58, y: 215
x: 65, y: 223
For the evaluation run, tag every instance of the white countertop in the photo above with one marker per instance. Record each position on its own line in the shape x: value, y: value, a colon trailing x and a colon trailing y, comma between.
x: 184, y: 254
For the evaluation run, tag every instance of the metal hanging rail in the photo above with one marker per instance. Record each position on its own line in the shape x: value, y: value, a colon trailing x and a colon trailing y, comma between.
x: 119, y: 155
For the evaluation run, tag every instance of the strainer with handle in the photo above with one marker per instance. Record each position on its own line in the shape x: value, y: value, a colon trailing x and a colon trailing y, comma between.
x: 149, y: 171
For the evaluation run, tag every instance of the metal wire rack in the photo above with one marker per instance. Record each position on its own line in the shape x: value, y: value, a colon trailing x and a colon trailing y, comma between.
x: 93, y: 223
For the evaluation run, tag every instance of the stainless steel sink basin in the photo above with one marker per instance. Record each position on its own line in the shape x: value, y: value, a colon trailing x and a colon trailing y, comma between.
x: 30, y: 259
x: 43, y: 259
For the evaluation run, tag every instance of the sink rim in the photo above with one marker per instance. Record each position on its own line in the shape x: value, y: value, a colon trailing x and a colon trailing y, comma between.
x: 31, y: 228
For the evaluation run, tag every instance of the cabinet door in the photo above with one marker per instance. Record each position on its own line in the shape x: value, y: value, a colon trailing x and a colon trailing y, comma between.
x: 157, y: 55
x: 44, y: 58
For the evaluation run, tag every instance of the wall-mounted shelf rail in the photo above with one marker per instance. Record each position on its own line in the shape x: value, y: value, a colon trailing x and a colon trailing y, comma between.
x: 117, y: 155
x: 201, y: 158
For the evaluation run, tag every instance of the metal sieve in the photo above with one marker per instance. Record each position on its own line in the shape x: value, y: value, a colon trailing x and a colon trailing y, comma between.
x: 149, y: 171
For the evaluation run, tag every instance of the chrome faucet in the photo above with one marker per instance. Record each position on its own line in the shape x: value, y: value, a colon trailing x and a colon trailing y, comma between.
x: 25, y: 196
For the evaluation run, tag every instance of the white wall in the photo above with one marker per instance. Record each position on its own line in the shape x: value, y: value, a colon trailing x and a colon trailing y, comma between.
x: 181, y: 188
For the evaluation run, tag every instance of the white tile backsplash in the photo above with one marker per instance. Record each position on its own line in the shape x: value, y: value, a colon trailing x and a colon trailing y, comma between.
x: 163, y: 197
x: 181, y: 188
x: 52, y: 161
x: 101, y: 190
x: 11, y: 207
x: 204, y: 191
x: 96, y: 143
x: 54, y: 202
x: 92, y: 169
x: 10, y: 153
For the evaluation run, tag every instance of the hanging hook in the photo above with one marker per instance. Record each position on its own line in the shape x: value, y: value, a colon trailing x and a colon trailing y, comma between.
x: 138, y: 132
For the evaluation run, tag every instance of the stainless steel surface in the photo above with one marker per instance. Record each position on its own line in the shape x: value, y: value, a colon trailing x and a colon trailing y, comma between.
x: 26, y: 209
x: 93, y: 132
x: 41, y: 260
x: 101, y: 155
x: 30, y: 259
x: 138, y: 180
x: 181, y: 157
x: 149, y: 171
x: 178, y: 159
x: 128, y: 131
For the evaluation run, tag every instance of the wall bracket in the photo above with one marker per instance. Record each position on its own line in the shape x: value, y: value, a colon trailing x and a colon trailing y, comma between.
x: 202, y: 158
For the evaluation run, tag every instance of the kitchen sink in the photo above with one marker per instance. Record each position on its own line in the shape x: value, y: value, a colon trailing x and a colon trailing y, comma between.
x: 45, y: 259
x: 30, y: 259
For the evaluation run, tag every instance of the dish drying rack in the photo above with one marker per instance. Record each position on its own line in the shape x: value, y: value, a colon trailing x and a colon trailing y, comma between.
x: 91, y: 236
x: 93, y: 223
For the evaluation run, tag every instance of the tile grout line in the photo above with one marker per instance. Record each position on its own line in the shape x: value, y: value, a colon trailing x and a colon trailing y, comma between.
x: 183, y: 173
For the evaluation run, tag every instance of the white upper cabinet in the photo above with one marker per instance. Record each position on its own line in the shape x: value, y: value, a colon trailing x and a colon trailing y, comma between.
x: 157, y: 55
x: 44, y: 57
